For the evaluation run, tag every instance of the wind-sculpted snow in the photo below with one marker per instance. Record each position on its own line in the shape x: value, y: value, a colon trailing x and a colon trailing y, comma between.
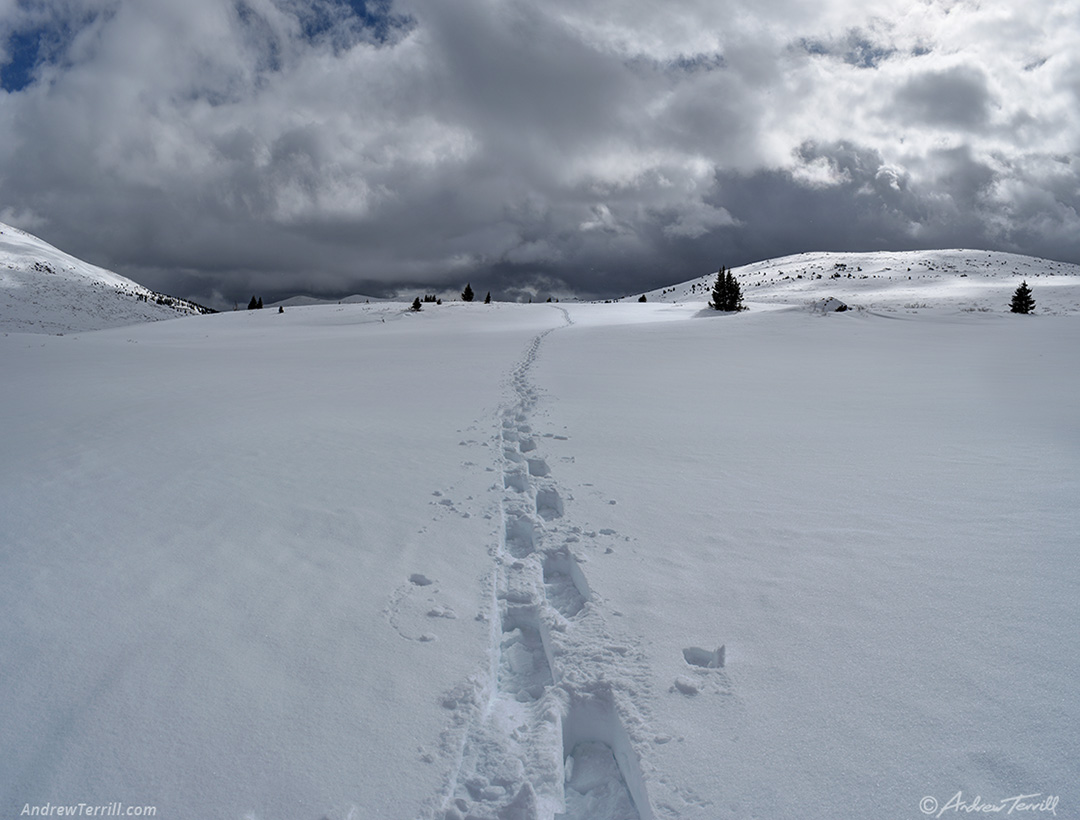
x: 548, y: 739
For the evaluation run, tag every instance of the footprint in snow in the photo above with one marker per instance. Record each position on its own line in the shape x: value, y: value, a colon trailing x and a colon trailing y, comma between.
x: 703, y: 658
x: 413, y: 605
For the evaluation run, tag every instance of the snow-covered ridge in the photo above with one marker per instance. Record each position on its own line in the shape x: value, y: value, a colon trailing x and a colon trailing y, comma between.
x: 309, y: 301
x: 894, y: 281
x: 44, y: 290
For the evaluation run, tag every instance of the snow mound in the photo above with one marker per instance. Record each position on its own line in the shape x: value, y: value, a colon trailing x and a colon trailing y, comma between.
x: 44, y: 290
x: 832, y: 305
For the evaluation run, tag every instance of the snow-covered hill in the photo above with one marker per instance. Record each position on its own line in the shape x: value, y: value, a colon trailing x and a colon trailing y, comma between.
x: 895, y: 281
x: 311, y: 301
x: 44, y: 290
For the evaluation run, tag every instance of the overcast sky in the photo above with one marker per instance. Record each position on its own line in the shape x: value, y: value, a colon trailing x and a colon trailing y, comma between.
x: 218, y: 148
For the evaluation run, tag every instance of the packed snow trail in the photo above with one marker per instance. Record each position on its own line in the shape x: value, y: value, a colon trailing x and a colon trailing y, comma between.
x: 546, y: 736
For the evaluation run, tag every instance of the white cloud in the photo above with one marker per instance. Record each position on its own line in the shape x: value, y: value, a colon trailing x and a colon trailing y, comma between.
x: 698, y: 221
x: 25, y: 219
x: 558, y: 139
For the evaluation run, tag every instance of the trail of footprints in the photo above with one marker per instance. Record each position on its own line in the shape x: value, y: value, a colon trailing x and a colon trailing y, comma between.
x: 547, y: 738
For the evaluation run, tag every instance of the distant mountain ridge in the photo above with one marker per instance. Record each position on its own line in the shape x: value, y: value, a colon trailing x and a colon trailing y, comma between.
x: 308, y: 301
x: 44, y: 290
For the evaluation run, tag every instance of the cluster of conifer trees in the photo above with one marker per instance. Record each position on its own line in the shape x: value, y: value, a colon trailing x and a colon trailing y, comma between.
x: 467, y: 295
x: 726, y: 293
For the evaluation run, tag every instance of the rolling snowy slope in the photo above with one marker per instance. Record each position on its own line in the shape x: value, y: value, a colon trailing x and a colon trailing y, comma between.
x: 526, y: 562
x: 44, y: 290
x: 900, y: 281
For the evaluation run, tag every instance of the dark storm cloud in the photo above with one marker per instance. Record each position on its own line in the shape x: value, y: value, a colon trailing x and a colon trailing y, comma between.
x: 873, y: 205
x: 596, y: 146
x: 955, y: 97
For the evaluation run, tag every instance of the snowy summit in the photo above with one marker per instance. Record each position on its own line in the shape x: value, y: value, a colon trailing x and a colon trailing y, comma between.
x: 44, y: 290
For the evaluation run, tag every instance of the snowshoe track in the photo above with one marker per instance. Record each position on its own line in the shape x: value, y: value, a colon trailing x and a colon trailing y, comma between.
x: 546, y: 735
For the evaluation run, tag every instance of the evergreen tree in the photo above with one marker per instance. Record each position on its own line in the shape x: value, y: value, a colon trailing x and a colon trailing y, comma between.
x: 643, y: 299
x: 734, y: 292
x: 259, y: 304
x: 1021, y: 300
x: 416, y: 304
x: 252, y: 304
x: 719, y: 291
x: 467, y: 294
x: 487, y: 299
x: 726, y: 293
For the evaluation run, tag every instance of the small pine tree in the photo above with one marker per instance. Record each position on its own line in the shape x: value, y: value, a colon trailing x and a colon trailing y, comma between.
x: 734, y: 292
x: 643, y: 299
x: 467, y: 294
x: 487, y: 299
x: 719, y: 291
x: 726, y: 294
x: 416, y: 304
x: 259, y: 304
x: 252, y: 304
x: 1021, y: 300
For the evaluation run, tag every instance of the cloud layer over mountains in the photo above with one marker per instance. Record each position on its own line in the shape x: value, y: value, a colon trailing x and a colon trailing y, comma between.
x: 213, y: 149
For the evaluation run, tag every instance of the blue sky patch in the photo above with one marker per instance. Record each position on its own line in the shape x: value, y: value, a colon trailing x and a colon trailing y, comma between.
x: 43, y: 41
x: 23, y: 50
x: 340, y: 21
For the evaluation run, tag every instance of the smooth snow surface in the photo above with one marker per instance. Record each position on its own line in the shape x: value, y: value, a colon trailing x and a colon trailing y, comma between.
x: 592, y: 562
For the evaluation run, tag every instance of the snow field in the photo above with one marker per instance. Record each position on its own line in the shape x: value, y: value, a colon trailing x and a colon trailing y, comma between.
x: 577, y: 561
x: 208, y: 536
x: 877, y: 519
x: 544, y: 739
